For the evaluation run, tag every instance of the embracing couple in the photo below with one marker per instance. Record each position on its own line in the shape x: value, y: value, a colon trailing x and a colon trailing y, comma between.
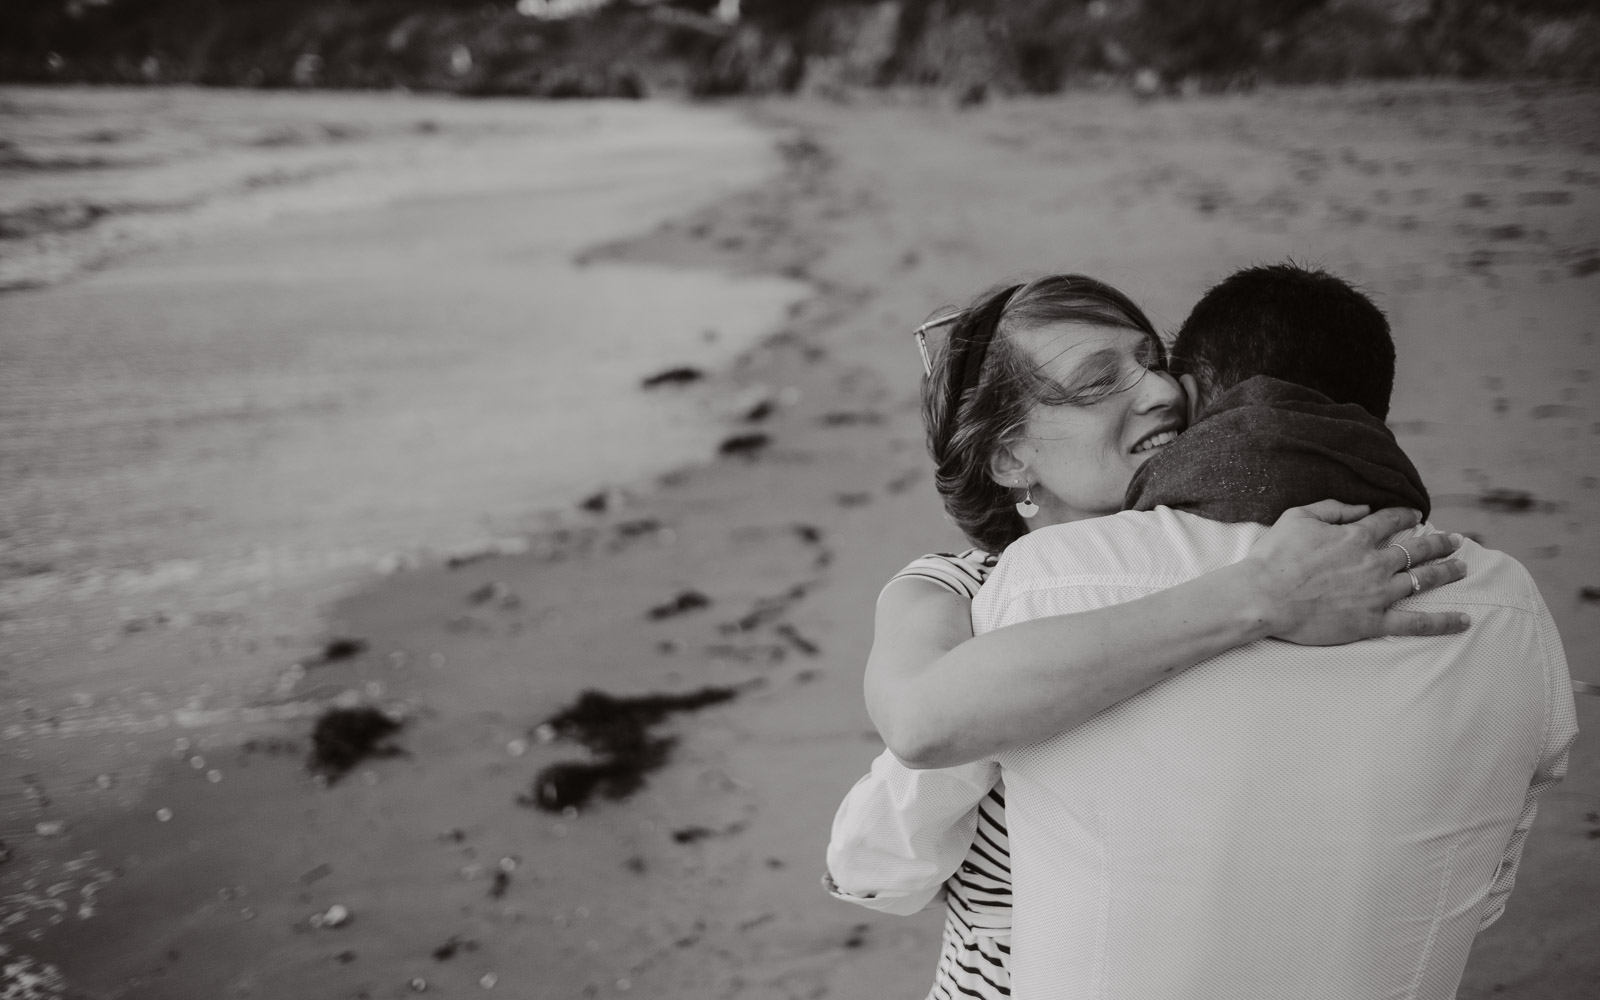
x: 1192, y: 720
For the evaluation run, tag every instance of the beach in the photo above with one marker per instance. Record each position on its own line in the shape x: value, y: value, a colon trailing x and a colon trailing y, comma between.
x: 389, y: 443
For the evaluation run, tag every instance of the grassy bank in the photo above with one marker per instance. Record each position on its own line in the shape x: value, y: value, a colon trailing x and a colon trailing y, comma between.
x: 630, y: 48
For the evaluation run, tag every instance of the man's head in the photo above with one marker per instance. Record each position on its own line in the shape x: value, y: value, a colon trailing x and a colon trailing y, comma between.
x: 1297, y: 324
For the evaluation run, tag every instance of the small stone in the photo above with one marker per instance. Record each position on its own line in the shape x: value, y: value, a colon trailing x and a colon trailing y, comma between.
x: 624, y: 985
x: 181, y: 745
x: 517, y: 747
x: 104, y: 781
x: 197, y: 762
x: 488, y: 980
x: 336, y: 915
x: 247, y: 913
x: 213, y: 776
x: 50, y: 828
x: 163, y: 814
x: 419, y: 985
x: 508, y: 865
x: 545, y: 733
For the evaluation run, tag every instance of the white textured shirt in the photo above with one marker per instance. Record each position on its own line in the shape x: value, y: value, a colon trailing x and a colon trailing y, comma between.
x: 1279, y: 821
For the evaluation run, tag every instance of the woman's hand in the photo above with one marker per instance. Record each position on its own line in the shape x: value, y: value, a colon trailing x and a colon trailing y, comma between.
x: 1327, y: 575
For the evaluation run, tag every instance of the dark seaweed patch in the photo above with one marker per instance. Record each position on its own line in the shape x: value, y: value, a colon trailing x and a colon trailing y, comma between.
x: 744, y: 444
x: 617, y: 730
x: 799, y: 641
x: 343, y: 649
x: 445, y: 952
x: 1590, y: 594
x: 344, y: 737
x: 1507, y: 501
x: 682, y: 375
x: 686, y: 601
x: 767, y: 609
x: 690, y: 834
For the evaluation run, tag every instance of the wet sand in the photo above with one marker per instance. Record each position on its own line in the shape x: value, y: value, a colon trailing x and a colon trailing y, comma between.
x: 1470, y: 212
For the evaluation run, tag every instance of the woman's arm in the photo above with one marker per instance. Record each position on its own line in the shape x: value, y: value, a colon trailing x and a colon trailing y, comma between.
x: 941, y: 698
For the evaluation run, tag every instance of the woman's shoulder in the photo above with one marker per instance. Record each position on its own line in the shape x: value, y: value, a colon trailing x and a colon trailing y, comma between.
x: 960, y: 572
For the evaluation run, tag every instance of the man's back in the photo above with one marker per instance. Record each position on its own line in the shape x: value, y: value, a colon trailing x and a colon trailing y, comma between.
x: 1280, y: 821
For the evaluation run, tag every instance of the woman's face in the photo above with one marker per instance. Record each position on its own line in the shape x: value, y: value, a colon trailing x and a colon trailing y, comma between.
x: 1104, y: 415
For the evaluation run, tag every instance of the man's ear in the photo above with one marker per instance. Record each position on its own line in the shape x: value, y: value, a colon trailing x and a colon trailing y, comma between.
x: 1191, y: 389
x: 1008, y: 468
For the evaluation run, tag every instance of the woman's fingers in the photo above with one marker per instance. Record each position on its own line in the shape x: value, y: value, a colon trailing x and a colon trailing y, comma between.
x: 1430, y: 576
x: 1424, y: 623
x: 1423, y: 549
x: 1389, y: 520
x: 1334, y: 512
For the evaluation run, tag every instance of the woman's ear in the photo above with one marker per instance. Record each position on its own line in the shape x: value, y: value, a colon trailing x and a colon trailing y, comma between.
x: 1191, y: 389
x: 1009, y: 469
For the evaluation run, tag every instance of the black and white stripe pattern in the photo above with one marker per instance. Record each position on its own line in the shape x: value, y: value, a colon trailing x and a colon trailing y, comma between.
x: 975, y: 957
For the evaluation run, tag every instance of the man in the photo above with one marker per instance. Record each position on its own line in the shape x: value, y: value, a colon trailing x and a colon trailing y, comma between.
x: 1280, y: 821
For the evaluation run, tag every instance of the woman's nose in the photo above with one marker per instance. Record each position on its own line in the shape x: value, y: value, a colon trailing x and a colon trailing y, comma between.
x: 1156, y: 391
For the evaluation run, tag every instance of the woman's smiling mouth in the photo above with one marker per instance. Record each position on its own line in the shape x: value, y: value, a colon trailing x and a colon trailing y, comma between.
x: 1159, y: 439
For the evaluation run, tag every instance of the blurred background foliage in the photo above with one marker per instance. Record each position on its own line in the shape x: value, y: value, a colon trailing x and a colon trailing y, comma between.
x: 577, y: 48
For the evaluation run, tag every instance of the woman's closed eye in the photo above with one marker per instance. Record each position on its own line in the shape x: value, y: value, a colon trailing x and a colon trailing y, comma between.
x: 1095, y: 382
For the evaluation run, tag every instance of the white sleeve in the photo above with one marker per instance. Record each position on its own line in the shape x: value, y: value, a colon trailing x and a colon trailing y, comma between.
x: 901, y: 833
x: 1561, y: 728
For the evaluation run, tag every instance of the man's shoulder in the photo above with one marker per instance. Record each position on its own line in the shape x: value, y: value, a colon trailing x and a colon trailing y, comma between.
x: 1493, y: 578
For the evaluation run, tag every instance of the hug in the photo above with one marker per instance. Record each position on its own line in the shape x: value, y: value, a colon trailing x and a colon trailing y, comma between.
x: 1210, y: 709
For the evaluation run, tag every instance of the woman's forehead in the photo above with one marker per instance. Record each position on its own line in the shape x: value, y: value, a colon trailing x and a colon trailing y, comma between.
x: 1061, y: 346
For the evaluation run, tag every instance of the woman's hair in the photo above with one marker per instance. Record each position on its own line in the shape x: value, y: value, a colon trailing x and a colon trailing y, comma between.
x: 983, y: 385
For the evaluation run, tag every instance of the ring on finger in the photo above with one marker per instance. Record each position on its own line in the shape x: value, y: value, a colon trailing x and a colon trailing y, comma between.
x: 1402, y: 548
x: 1416, y: 585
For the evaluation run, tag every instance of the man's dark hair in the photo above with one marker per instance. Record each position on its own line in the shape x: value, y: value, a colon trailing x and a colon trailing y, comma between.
x: 1301, y: 325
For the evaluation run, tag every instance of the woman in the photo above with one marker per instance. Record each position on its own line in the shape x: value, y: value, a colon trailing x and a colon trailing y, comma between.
x: 1044, y: 402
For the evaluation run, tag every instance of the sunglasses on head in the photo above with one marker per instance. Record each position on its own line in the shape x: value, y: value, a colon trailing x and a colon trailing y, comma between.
x: 921, y: 333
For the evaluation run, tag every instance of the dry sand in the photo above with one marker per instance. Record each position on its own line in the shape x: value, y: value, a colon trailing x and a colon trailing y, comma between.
x: 1471, y: 212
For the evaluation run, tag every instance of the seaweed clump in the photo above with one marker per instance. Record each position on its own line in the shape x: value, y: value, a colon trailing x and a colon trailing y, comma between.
x: 344, y: 737
x: 617, y: 730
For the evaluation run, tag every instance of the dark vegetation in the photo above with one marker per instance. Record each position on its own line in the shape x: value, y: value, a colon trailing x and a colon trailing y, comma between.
x: 617, y: 731
x: 344, y: 737
x: 631, y: 47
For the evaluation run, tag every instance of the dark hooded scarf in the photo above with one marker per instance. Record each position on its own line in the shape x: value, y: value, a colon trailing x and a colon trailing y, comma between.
x: 1267, y: 445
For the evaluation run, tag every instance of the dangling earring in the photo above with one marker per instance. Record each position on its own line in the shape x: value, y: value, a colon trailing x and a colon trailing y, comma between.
x: 1027, y: 508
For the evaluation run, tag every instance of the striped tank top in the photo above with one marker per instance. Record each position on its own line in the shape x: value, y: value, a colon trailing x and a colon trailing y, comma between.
x: 975, y: 954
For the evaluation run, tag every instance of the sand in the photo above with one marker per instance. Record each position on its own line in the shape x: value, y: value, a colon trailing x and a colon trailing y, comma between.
x: 1470, y: 212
